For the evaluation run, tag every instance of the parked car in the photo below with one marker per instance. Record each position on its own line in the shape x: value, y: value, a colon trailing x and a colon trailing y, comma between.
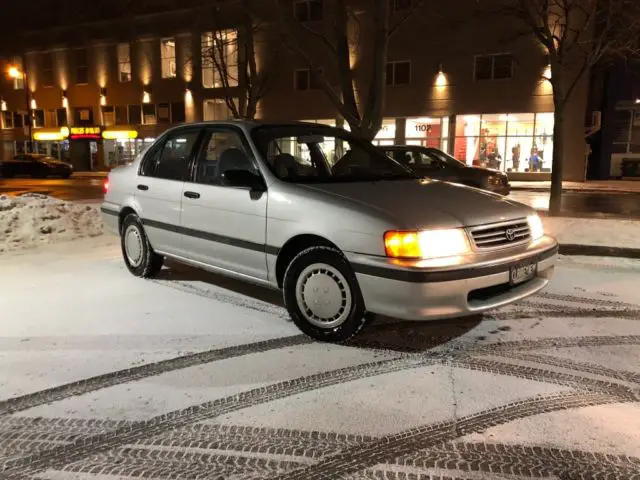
x: 434, y: 163
x: 343, y: 230
x: 34, y: 165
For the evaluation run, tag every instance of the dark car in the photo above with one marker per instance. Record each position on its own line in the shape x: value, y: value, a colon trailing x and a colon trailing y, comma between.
x: 34, y: 165
x: 434, y: 163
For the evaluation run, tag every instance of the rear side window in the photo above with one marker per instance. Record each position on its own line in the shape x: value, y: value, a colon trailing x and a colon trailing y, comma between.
x: 170, y: 160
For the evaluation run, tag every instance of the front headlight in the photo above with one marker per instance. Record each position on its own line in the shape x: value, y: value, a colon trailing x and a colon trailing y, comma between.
x: 426, y: 243
x: 535, y: 227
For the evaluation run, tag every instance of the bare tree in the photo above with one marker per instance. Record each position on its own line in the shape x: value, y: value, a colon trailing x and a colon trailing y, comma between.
x: 233, y: 55
x: 578, y: 35
x: 340, y: 43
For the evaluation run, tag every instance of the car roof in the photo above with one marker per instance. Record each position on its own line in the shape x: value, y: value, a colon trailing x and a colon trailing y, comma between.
x: 250, y: 124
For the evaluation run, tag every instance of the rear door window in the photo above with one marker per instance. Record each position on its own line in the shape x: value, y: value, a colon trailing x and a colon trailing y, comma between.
x: 170, y: 160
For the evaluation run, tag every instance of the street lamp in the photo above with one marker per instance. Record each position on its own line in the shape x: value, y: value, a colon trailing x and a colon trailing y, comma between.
x: 15, y: 73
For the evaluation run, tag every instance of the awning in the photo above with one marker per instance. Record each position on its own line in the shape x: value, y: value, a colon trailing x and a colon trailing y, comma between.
x: 120, y: 132
x: 50, y: 134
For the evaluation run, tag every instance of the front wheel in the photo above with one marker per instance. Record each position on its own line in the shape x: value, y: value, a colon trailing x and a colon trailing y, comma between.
x: 322, y: 295
x: 138, y: 255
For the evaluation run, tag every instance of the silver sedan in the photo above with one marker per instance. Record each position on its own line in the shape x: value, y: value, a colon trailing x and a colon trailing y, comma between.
x: 344, y: 231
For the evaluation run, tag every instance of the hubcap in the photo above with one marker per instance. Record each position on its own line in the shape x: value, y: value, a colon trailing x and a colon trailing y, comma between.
x: 133, y: 245
x: 323, y: 295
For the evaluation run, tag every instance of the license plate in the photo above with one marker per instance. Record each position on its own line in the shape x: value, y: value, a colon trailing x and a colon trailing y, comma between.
x: 522, y: 272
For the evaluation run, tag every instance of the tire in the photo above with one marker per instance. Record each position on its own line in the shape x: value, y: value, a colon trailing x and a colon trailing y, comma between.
x: 341, y: 313
x: 137, y: 253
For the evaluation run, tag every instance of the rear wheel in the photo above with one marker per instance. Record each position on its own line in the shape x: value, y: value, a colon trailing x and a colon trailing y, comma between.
x: 138, y: 255
x: 322, y: 295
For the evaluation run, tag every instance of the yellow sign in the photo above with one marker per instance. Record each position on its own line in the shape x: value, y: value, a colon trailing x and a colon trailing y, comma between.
x: 85, y: 130
x: 50, y: 134
x: 119, y: 134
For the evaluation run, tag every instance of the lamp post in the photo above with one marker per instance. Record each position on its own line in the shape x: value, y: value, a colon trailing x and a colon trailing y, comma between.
x: 15, y: 73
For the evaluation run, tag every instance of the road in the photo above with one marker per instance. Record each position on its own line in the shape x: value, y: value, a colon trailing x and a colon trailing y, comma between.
x: 575, y: 203
x: 192, y: 376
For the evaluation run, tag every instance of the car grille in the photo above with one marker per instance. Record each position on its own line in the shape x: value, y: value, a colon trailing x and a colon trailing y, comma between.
x: 501, y: 234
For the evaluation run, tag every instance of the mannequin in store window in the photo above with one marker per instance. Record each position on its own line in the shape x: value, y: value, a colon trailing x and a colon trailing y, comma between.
x: 515, y: 157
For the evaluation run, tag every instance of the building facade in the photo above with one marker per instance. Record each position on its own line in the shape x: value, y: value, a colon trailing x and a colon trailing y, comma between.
x: 97, y: 95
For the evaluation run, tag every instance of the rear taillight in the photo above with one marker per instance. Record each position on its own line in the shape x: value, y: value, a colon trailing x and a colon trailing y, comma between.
x: 105, y: 185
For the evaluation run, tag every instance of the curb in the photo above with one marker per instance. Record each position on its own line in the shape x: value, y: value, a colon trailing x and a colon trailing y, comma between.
x: 599, y: 251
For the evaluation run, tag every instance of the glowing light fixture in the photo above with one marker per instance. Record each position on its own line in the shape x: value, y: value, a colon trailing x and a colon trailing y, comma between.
x: 103, y: 96
x: 146, y: 95
x: 65, y: 99
x: 441, y: 78
x: 34, y: 104
x: 547, y: 73
x: 3, y: 105
x: 14, y: 72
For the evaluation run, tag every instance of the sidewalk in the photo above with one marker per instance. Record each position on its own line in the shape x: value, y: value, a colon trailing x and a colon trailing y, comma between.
x: 617, y: 186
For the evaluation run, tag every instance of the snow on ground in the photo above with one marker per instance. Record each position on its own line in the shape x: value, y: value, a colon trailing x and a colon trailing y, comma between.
x: 594, y: 231
x: 32, y: 219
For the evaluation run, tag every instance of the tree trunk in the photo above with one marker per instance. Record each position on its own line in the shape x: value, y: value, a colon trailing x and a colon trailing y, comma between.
x: 555, y: 200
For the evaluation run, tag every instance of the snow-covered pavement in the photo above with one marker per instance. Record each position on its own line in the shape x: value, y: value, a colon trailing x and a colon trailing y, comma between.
x: 103, y: 375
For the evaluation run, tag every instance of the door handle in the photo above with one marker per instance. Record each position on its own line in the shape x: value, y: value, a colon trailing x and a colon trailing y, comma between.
x: 143, y: 187
x: 191, y: 194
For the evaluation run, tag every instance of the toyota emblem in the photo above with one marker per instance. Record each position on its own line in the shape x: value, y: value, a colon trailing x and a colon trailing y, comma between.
x: 510, y: 234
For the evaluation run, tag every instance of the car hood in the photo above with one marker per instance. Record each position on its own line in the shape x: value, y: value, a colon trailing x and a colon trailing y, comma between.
x: 415, y: 204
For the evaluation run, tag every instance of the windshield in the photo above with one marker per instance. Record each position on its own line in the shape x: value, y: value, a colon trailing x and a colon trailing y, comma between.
x: 320, y: 154
x: 446, y: 158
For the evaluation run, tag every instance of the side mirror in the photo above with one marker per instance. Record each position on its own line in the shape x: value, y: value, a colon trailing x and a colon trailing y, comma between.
x: 243, y: 178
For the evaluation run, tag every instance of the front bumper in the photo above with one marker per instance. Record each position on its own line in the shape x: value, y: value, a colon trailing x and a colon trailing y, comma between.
x: 501, y: 190
x: 420, y: 291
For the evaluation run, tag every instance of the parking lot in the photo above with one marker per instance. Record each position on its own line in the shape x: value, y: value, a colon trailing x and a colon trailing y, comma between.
x: 194, y: 376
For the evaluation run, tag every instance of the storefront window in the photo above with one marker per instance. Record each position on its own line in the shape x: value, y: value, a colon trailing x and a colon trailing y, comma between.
x: 387, y: 133
x: 513, y: 142
x: 428, y: 131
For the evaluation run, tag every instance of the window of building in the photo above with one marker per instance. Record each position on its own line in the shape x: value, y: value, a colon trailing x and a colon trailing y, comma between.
x: 83, y: 116
x: 123, y: 51
x: 178, y: 112
x: 493, y: 67
x: 7, y: 119
x: 164, y: 113
x: 82, y: 66
x: 18, y: 83
x: 61, y: 117
x: 400, y: 5
x: 219, y: 55
x: 108, y: 115
x: 50, y: 119
x: 19, y: 120
x: 135, y: 114
x: 305, y: 79
x: 398, y: 73
x: 47, y: 69
x: 307, y: 10
x: 218, y: 144
x: 121, y: 115
x: 430, y: 132
x: 38, y: 118
x: 171, y: 161
x: 168, y: 57
x: 216, y: 109
x: 514, y: 142
x: 149, y: 113
x: 387, y: 133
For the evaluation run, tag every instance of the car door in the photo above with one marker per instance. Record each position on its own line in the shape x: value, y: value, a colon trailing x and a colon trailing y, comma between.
x: 225, y: 226
x: 159, y: 185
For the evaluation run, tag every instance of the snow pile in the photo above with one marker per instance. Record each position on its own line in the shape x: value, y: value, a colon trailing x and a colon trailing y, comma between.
x: 32, y: 219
